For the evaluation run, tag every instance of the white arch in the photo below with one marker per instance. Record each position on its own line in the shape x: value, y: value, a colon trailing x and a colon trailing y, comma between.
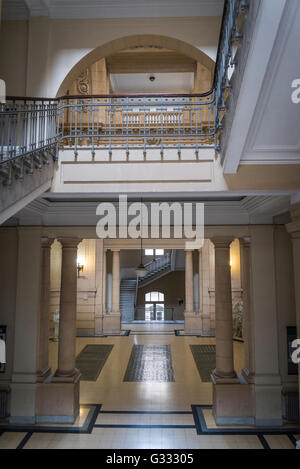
x: 127, y: 42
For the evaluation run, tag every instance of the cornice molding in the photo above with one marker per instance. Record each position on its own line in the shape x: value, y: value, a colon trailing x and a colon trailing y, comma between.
x: 78, y: 9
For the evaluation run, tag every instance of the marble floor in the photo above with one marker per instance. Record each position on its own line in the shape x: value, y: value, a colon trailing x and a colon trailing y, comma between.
x: 145, y: 414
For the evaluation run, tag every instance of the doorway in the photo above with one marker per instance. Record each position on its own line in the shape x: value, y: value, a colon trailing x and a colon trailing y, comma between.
x: 154, y: 306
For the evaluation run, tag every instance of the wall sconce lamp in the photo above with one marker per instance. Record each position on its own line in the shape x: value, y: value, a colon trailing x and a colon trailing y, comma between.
x: 80, y: 267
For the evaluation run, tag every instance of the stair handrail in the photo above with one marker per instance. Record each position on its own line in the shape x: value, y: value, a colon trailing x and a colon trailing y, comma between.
x: 160, y: 262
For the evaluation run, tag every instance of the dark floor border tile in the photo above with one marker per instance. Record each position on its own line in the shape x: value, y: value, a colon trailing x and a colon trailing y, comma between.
x: 86, y: 428
x: 293, y: 439
x: 204, y: 336
x: 202, y: 428
x: 25, y: 440
x: 150, y: 412
x: 102, y: 336
x: 145, y: 426
x: 263, y: 441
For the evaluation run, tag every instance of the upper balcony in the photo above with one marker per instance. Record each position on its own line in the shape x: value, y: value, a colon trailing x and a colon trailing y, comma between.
x: 90, y: 117
x: 97, y: 136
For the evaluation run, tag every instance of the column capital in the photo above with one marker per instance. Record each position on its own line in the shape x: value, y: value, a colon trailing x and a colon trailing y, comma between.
x: 245, y: 242
x: 295, y: 211
x: 222, y: 241
x: 295, y: 234
x: 47, y: 242
x: 115, y: 249
x: 69, y: 242
x: 189, y: 250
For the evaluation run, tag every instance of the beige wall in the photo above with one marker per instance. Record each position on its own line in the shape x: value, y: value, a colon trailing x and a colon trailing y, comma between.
x: 13, y: 56
x: 56, y: 46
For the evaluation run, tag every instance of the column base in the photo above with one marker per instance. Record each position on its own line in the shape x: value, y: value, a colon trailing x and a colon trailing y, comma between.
x: 98, y: 324
x: 43, y: 375
x: 58, y: 400
x: 224, y: 379
x: 268, y: 400
x: 206, y: 323
x: 249, y: 377
x: 233, y: 402
x: 192, y: 322
x: 112, y: 322
x: 23, y: 400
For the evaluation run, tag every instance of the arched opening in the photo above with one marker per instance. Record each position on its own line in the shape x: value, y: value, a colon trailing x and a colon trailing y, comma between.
x: 154, y: 306
x: 138, y: 43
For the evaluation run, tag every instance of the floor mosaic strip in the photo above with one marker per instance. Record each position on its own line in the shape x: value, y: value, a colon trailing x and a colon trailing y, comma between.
x: 205, y: 359
x: 91, y: 333
x: 91, y: 360
x: 150, y: 363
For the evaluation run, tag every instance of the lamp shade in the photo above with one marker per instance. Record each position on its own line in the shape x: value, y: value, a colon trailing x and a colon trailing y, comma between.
x: 141, y: 271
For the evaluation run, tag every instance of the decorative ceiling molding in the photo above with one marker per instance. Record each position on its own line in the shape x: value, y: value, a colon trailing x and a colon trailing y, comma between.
x: 79, y: 9
x: 39, y: 7
x: 14, y: 10
x: 65, y: 212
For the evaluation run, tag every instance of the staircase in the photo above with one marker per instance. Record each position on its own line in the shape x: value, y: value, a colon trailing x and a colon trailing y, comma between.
x: 127, y: 299
x: 161, y: 267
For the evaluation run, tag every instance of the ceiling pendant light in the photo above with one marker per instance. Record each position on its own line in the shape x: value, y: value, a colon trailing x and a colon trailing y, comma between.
x: 141, y: 270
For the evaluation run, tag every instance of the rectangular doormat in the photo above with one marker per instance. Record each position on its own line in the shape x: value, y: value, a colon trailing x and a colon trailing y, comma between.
x: 150, y: 363
x: 91, y: 360
x: 205, y: 359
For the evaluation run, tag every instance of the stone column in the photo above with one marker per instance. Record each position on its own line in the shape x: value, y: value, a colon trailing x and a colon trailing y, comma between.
x: 200, y: 287
x: 294, y: 230
x: 189, y: 313
x: 104, y: 283
x: 58, y: 396
x: 112, y: 321
x: 206, y: 310
x: 224, y: 324
x: 116, y: 282
x: 43, y: 362
x: 232, y: 401
x: 99, y: 268
x: 245, y: 259
x: 68, y: 308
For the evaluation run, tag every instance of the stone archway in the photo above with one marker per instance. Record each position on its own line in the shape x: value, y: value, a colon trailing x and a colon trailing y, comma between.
x: 127, y: 42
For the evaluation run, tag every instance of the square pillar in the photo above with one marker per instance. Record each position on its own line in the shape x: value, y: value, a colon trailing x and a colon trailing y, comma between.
x: 8, y: 282
x: 264, y: 329
x: 27, y: 321
x: 294, y: 230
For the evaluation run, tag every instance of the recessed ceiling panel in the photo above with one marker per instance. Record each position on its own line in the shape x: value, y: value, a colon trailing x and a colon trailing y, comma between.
x: 135, y: 83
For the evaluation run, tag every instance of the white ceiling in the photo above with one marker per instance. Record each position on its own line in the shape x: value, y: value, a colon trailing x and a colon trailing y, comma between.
x: 164, y: 83
x: 114, y: 8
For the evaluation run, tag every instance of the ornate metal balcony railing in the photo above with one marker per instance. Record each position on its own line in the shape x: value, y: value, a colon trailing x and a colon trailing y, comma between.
x: 28, y: 136
x: 157, y: 265
x: 233, y: 17
x: 137, y: 122
x: 33, y: 130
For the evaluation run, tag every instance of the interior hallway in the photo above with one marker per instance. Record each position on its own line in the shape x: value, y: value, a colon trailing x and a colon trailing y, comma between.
x: 145, y: 414
x: 114, y: 394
